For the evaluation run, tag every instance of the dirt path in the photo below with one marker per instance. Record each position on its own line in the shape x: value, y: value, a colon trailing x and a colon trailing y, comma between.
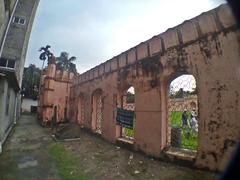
x: 25, y: 155
x: 30, y: 153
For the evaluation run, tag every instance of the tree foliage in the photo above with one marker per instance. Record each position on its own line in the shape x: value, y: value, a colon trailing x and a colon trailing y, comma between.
x: 181, y: 93
x: 31, y: 80
x: 63, y: 61
x: 66, y: 63
x: 45, y: 53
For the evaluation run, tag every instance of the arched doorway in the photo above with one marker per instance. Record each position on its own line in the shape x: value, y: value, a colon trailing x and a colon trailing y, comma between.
x: 126, y: 108
x: 183, y: 113
x: 97, y: 111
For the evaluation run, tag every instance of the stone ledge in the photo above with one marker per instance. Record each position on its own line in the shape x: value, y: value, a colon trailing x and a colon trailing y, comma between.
x: 181, y: 154
x: 124, y: 140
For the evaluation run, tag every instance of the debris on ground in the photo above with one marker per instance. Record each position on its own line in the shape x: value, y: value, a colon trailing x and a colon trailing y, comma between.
x: 131, y: 156
x: 68, y: 131
x: 136, y: 172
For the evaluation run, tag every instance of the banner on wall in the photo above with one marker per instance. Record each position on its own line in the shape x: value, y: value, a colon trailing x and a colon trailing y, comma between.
x: 125, y: 118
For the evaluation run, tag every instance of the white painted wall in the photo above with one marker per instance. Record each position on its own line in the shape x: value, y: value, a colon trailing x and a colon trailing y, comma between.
x: 27, y: 103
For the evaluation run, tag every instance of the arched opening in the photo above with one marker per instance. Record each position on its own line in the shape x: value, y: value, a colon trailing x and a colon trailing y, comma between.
x: 97, y: 111
x: 183, y: 113
x: 80, y: 111
x: 125, y: 114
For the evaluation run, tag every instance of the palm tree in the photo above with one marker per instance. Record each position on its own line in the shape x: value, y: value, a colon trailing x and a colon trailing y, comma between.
x: 45, y: 53
x: 65, y: 63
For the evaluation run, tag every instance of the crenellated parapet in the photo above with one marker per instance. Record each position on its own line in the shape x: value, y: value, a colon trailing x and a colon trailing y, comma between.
x: 211, y: 23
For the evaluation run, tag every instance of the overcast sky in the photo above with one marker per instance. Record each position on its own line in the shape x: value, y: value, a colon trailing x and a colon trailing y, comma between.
x: 96, y: 30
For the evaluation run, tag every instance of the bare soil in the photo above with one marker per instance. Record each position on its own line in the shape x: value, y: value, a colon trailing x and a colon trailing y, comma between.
x: 108, y: 161
x: 28, y: 155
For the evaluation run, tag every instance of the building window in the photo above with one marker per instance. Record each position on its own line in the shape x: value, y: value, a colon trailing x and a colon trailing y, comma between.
x: 11, y: 64
x: 128, y: 103
x: 7, y: 63
x: 3, y: 62
x: 22, y: 21
x: 19, y: 20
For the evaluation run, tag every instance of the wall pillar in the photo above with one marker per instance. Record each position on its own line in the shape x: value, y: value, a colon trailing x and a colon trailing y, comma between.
x: 48, y: 92
x: 148, y: 119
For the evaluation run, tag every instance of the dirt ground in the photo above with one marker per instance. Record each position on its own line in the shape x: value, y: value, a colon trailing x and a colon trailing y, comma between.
x: 31, y: 153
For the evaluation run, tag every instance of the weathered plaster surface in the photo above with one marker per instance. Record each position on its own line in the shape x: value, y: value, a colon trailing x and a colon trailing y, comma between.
x: 55, y: 91
x: 206, y: 47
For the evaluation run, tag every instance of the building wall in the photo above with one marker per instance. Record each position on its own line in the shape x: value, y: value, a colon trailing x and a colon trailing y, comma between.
x: 55, y: 90
x: 5, y: 13
x: 206, y: 47
x: 27, y: 103
x: 3, y: 19
x: 2, y: 106
x: 8, y: 100
x: 13, y: 46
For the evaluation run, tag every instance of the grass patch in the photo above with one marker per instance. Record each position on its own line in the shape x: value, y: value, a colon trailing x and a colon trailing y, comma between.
x: 68, y: 167
x: 129, y: 132
x: 189, y: 138
x: 176, y: 119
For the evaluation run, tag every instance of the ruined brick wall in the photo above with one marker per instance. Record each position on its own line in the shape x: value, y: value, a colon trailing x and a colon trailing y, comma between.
x: 206, y: 47
x: 179, y: 104
x: 55, y: 91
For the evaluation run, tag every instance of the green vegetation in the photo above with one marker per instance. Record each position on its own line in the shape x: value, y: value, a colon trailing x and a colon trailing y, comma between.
x: 181, y: 93
x: 65, y: 63
x: 130, y: 98
x: 31, y: 80
x: 189, y: 138
x: 176, y: 119
x: 129, y: 132
x: 66, y: 163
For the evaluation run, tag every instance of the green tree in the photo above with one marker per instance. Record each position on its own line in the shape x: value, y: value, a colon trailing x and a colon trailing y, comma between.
x: 66, y: 63
x: 31, y: 79
x: 45, y: 53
